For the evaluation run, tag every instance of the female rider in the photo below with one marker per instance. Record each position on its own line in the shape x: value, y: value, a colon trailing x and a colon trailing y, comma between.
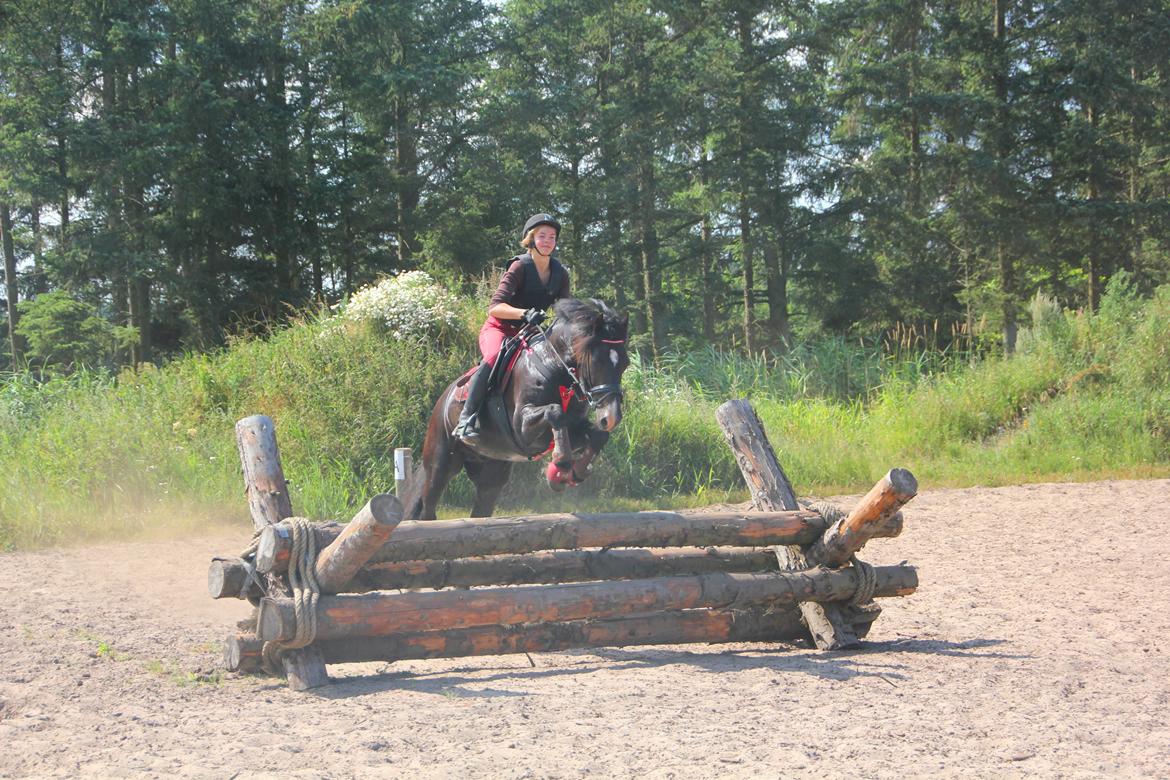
x: 532, y: 283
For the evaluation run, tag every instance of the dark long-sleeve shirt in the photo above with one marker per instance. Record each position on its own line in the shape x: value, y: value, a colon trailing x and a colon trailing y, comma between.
x: 520, y: 286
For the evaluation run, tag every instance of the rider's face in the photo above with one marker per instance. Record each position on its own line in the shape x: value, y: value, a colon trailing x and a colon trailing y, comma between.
x: 545, y: 239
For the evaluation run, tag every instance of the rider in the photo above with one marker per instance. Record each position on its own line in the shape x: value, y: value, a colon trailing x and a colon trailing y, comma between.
x: 532, y: 283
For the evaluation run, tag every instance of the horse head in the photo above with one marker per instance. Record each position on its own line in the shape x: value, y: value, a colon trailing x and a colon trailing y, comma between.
x: 591, y: 338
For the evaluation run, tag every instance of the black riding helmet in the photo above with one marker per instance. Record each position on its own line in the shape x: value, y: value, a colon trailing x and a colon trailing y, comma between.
x: 541, y: 219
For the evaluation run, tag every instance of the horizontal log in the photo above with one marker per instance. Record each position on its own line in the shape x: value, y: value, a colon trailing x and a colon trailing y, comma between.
x: 243, y: 653
x: 226, y: 578
x: 870, y: 517
x: 534, y: 568
x: 664, y: 628
x: 443, y: 539
x: 560, y: 566
x: 382, y: 614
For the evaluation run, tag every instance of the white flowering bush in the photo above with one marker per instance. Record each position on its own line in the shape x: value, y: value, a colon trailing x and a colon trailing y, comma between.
x: 407, y: 306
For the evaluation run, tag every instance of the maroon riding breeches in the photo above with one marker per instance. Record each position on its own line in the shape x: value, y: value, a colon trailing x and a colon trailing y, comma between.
x: 492, y: 335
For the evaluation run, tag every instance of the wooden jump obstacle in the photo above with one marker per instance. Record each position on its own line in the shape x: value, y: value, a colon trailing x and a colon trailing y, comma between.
x: 779, y: 572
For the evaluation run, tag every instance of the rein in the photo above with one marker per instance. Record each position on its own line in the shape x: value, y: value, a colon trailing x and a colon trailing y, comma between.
x: 592, y: 395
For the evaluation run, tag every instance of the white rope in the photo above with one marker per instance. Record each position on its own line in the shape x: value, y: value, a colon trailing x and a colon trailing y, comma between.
x: 302, y: 578
x: 866, y: 582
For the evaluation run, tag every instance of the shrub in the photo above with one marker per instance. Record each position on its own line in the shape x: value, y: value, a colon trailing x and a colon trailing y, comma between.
x: 411, y: 305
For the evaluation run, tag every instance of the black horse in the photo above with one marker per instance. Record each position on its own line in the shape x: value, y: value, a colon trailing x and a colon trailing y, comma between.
x: 559, y: 376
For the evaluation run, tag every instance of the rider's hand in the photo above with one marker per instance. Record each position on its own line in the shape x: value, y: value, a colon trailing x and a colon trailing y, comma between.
x: 533, y: 317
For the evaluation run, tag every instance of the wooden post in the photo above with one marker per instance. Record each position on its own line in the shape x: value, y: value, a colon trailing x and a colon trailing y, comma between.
x: 660, y: 628
x: 441, y: 539
x: 403, y: 469
x: 872, y: 514
x: 269, y: 503
x: 771, y: 490
x: 363, y: 536
x: 383, y: 614
x: 264, y: 479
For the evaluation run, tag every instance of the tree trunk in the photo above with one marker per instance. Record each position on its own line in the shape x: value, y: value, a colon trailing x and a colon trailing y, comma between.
x: 10, y: 282
x: 283, y: 224
x: 62, y: 159
x: 39, y: 281
x: 707, y: 277
x: 749, y: 282
x: 1095, y: 251
x: 1003, y: 257
x: 777, y: 292
x: 361, y: 539
x: 648, y: 238
x: 405, y: 165
x: 743, y: 20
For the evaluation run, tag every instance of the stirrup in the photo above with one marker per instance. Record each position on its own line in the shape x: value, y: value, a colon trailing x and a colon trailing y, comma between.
x: 466, y: 430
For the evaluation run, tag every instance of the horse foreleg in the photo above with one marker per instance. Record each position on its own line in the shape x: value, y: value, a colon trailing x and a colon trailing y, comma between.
x: 583, y: 466
x: 554, y: 417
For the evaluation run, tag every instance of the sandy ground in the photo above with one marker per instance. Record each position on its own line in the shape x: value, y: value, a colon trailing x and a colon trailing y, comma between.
x: 1036, y: 646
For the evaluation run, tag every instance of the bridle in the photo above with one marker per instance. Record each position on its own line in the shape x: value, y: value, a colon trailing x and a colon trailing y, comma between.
x: 595, y: 395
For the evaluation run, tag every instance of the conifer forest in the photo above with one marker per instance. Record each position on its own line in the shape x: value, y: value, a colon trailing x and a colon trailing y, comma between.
x: 730, y: 172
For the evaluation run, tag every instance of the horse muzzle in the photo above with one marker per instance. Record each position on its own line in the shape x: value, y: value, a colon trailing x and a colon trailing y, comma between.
x: 609, y: 413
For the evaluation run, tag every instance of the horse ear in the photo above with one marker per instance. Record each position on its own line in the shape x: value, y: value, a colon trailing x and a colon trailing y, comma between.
x: 598, y: 324
x: 623, y: 322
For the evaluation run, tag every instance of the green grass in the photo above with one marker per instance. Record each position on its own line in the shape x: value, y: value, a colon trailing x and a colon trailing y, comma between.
x: 92, y: 456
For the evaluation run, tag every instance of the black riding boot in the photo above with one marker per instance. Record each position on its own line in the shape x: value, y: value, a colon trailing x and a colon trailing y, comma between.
x: 467, y: 427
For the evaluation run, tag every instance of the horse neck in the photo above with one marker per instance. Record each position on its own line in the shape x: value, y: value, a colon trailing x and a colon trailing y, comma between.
x: 560, y: 339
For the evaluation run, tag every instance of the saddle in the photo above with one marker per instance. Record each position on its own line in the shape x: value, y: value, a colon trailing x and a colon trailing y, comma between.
x: 497, y: 439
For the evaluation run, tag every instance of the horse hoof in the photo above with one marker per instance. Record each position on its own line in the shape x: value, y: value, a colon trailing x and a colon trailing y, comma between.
x: 558, y: 478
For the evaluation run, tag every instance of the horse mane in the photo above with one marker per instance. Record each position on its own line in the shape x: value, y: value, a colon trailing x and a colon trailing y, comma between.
x: 587, y: 320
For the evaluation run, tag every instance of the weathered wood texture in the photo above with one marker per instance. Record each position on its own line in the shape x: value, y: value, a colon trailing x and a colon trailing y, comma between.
x: 382, y: 614
x: 226, y: 576
x: 771, y: 490
x: 562, y: 566
x: 359, y: 541
x: 269, y: 502
x: 442, y: 539
x: 305, y: 668
x: 872, y: 514
x: 243, y: 653
x: 663, y: 628
x: 264, y: 481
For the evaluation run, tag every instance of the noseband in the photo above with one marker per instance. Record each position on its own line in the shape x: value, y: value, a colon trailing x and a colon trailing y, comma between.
x: 595, y: 395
